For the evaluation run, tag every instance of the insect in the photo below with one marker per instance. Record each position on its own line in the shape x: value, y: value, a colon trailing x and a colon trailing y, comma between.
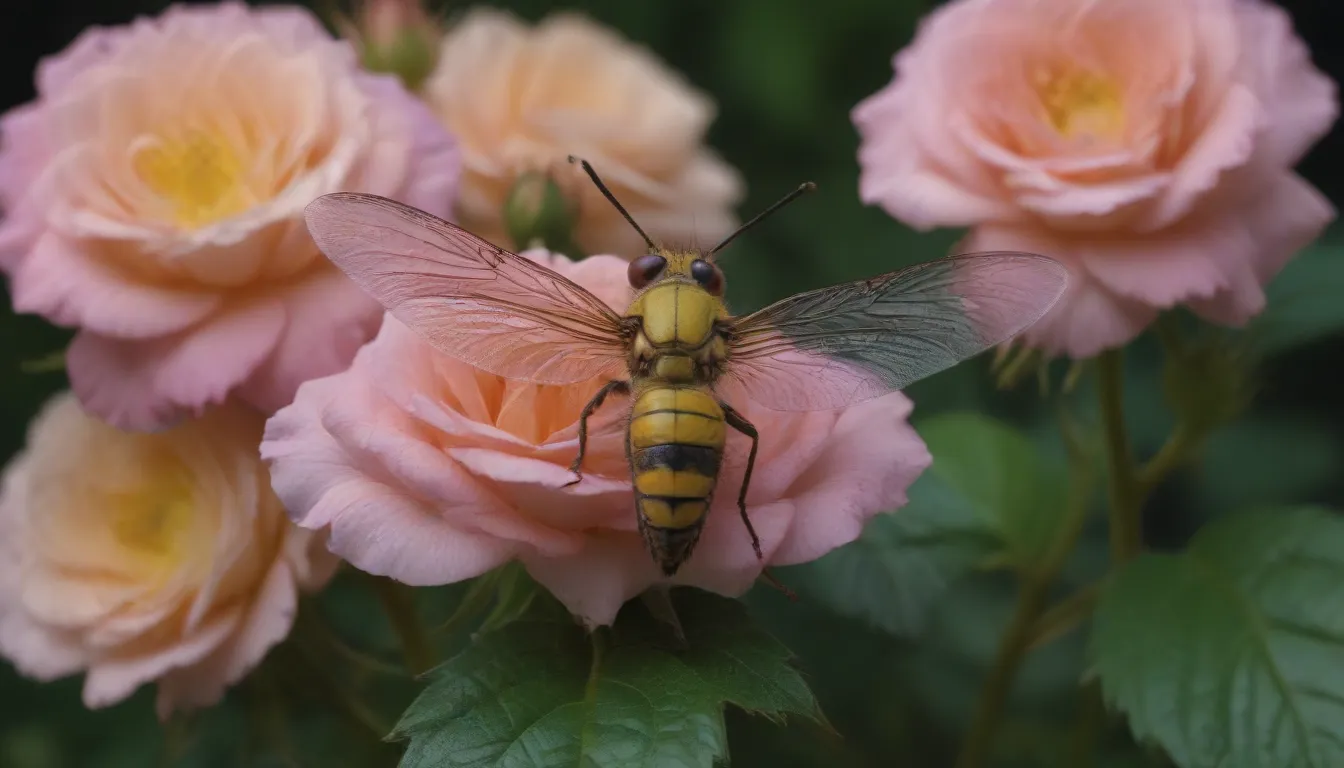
x: 676, y: 352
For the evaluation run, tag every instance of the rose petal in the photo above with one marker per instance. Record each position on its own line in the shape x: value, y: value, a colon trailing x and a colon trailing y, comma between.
x: 266, y: 623
x: 1087, y: 318
x: 1159, y: 270
x: 1287, y: 216
x: 375, y: 526
x: 58, y: 280
x: 327, y: 319
x: 854, y: 477
x: 147, y: 385
x: 1227, y: 143
x: 1302, y: 102
x: 596, y: 581
x: 114, y: 678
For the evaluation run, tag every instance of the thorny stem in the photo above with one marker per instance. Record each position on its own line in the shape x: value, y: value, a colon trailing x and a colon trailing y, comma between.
x: 1122, y: 479
x: 399, y: 604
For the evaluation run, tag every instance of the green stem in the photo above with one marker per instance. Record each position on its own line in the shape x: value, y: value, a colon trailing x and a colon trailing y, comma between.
x: 399, y: 604
x: 1065, y: 615
x: 1021, y: 632
x: 1123, y: 483
x: 1013, y: 648
x: 1173, y: 453
x: 1091, y: 718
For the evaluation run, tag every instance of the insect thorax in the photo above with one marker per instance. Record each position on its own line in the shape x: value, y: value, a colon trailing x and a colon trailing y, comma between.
x: 679, y: 338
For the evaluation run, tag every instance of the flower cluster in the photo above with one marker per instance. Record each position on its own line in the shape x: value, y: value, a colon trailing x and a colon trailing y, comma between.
x: 155, y: 193
x: 242, y: 416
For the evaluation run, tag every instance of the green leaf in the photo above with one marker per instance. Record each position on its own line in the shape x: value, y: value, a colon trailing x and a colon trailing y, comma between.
x: 514, y: 594
x: 1303, y: 303
x: 901, y: 565
x: 1232, y: 654
x: 541, y: 691
x: 988, y: 498
x: 987, y: 471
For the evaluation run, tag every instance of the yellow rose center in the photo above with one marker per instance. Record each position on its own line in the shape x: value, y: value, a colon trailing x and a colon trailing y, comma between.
x: 1079, y: 103
x: 200, y: 174
x: 155, y: 520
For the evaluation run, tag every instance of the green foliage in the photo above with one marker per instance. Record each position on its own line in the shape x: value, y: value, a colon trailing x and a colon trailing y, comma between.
x: 990, y: 498
x: 541, y: 691
x: 985, y: 470
x: 1241, y: 465
x: 900, y: 567
x: 1232, y: 653
x: 1303, y: 302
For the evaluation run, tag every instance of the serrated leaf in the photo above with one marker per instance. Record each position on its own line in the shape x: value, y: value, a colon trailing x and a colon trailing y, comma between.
x: 1232, y: 653
x: 988, y: 498
x: 903, y: 563
x: 541, y: 692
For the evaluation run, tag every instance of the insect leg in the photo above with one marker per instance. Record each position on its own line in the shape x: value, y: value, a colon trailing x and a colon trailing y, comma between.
x: 622, y: 387
x: 738, y: 422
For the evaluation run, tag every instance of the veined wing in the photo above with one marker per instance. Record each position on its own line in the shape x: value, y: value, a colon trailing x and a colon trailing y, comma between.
x: 837, y: 346
x: 469, y: 299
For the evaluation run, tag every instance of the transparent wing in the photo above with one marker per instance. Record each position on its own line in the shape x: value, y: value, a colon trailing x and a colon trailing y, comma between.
x: 837, y: 346
x: 469, y: 299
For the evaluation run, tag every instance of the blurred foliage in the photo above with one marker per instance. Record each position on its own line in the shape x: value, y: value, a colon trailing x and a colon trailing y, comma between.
x: 895, y: 640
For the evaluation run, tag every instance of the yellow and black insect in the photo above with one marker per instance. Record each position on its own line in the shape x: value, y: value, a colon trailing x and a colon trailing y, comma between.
x: 676, y: 352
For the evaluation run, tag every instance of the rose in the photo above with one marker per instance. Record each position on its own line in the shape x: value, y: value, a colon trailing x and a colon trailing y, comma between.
x: 429, y: 471
x: 1146, y: 143
x: 147, y: 557
x: 154, y: 195
x: 521, y: 100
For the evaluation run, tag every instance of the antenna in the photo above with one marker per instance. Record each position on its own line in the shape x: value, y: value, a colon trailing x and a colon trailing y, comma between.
x: 805, y: 187
x: 612, y: 199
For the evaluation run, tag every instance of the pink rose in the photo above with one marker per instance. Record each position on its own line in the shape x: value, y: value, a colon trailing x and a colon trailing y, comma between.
x: 1148, y: 144
x: 147, y: 557
x: 523, y: 97
x: 430, y: 471
x: 154, y: 197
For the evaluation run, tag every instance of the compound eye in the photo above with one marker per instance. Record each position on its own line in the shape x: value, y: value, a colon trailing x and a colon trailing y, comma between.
x: 645, y: 269
x: 708, y: 276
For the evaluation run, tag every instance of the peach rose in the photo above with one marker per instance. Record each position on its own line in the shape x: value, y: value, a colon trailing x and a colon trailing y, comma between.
x: 154, y: 197
x: 147, y: 557
x: 1146, y: 143
x: 430, y: 471
x: 522, y: 99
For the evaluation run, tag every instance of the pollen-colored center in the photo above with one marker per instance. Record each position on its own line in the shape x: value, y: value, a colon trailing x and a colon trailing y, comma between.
x: 155, y: 520
x: 1080, y: 103
x: 200, y: 175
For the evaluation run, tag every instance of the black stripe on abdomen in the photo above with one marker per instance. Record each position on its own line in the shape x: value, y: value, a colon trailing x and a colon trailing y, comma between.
x: 701, y: 459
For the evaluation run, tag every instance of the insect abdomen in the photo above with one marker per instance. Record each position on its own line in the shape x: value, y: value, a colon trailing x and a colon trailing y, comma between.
x: 676, y: 445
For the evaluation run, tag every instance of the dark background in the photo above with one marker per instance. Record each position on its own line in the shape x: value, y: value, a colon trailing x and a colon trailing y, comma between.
x: 785, y: 74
